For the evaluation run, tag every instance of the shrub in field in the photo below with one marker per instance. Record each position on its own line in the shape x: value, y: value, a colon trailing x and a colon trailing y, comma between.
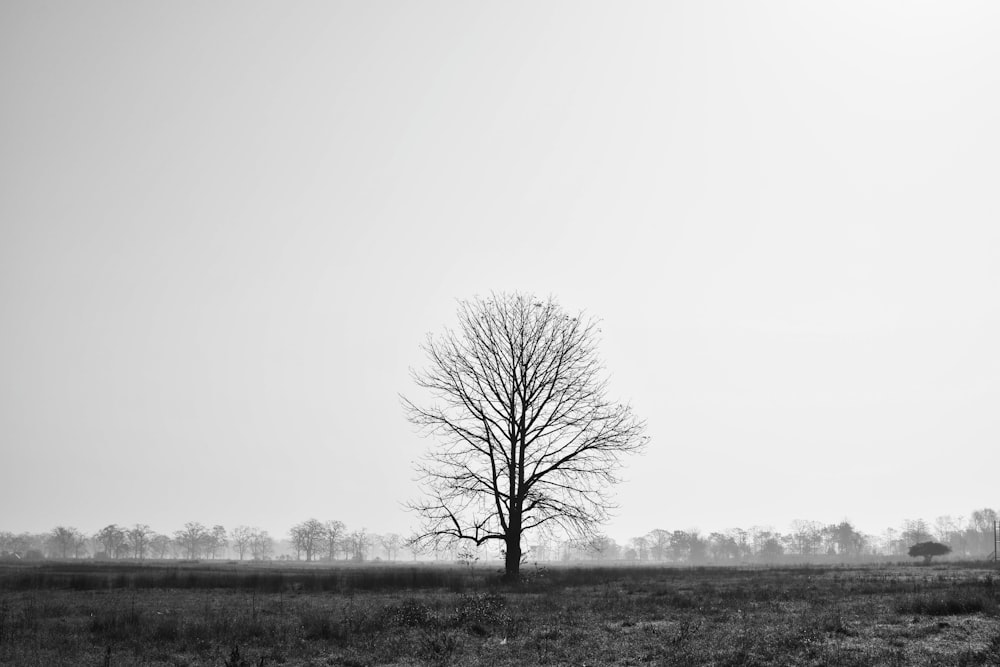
x: 413, y: 613
x: 438, y: 647
x: 486, y: 608
x: 485, y: 613
x: 948, y: 603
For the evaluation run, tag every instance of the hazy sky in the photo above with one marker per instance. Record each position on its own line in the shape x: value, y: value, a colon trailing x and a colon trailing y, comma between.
x: 226, y: 227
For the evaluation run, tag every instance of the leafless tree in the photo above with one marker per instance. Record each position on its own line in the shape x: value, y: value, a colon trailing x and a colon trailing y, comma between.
x: 114, y: 540
x: 159, y: 545
x: 527, y: 437
x: 947, y: 529
x: 659, y: 543
x: 138, y: 538
x: 807, y: 536
x: 23, y: 544
x: 980, y: 531
x: 307, y: 537
x: 63, y: 541
x: 241, y: 538
x: 261, y: 545
x: 391, y: 543
x: 915, y: 531
x: 358, y: 544
x: 641, y: 545
x: 333, y: 533
x: 217, y: 541
x: 193, y: 540
x: 982, y: 520
x: 600, y: 547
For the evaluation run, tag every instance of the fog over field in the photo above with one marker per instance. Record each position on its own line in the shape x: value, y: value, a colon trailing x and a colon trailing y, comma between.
x: 226, y: 229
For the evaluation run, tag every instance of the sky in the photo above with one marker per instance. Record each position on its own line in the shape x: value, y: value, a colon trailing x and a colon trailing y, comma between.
x: 226, y: 228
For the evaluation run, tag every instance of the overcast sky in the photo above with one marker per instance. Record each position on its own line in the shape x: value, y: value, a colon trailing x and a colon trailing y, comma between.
x: 226, y: 227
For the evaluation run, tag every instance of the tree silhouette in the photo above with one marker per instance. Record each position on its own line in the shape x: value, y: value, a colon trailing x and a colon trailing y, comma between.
x: 333, y: 533
x: 527, y: 438
x: 307, y: 537
x: 193, y: 539
x: 928, y: 550
x: 241, y: 538
x: 113, y: 538
x: 64, y: 541
x: 138, y: 539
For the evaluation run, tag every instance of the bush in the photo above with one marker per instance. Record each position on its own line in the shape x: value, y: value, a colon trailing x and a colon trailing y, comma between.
x: 488, y: 608
x: 949, y: 603
x: 413, y: 613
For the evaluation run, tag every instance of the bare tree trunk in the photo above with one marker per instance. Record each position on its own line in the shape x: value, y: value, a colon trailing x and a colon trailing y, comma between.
x: 512, y: 560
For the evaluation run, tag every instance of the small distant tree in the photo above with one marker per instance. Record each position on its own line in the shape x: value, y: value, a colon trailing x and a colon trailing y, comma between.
x: 62, y: 541
x: 192, y: 540
x: 80, y: 544
x: 949, y: 531
x: 241, y: 538
x: 159, y: 545
x: 6, y: 540
x: 771, y: 548
x: 333, y: 534
x: 217, y: 541
x: 722, y: 547
x: 807, y: 537
x: 358, y: 544
x: 307, y: 538
x: 928, y: 550
x: 916, y: 531
x: 138, y: 539
x: 113, y: 539
x: 601, y: 547
x: 391, y: 543
x: 24, y: 543
x: 261, y: 545
x: 844, y: 539
x: 658, y: 541
x: 980, y: 531
x: 641, y: 547
x: 895, y: 545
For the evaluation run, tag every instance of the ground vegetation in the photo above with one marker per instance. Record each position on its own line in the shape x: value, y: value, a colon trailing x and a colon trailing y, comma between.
x: 74, y: 613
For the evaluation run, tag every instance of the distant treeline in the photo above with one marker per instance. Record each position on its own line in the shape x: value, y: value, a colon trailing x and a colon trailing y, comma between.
x: 309, y: 540
x: 971, y: 538
x: 314, y: 540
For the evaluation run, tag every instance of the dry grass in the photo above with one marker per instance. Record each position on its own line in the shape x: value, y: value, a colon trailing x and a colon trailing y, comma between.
x: 899, y: 615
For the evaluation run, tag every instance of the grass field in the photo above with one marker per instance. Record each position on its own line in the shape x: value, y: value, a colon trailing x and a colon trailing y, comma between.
x: 239, y: 615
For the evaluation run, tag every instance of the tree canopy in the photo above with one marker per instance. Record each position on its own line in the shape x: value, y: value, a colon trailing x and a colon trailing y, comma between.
x: 928, y: 550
